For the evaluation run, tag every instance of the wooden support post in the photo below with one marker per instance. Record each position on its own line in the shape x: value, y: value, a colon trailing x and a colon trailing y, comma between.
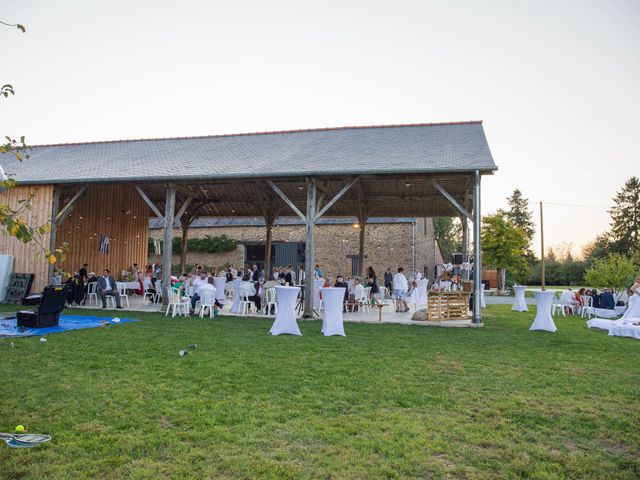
x: 465, y: 243
x: 309, y: 249
x: 266, y: 268
x: 183, y: 246
x: 477, y: 262
x: 362, y: 220
x: 54, y: 229
x: 169, y: 211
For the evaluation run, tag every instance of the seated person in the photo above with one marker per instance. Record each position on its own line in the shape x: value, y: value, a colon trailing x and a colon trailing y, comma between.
x: 248, y: 290
x: 197, y: 282
x: 208, y: 284
x: 595, y: 298
x: 340, y: 283
x: 107, y: 288
x: 606, y: 299
x: 180, y: 284
x: 148, y: 285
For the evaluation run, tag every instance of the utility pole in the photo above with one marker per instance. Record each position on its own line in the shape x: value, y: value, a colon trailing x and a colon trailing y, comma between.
x: 542, y: 247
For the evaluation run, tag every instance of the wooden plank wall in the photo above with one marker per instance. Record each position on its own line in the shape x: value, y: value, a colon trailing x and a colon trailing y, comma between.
x: 117, y: 211
x: 28, y: 257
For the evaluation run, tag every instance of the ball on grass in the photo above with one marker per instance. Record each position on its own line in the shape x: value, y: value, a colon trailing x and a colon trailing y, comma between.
x: 20, y: 428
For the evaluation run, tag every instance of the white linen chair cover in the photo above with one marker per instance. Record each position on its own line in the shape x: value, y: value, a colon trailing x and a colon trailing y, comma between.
x: 219, y: 283
x: 317, y: 284
x: 332, y: 323
x: 519, y: 302
x: 235, y: 304
x: 543, y: 320
x: 285, y: 321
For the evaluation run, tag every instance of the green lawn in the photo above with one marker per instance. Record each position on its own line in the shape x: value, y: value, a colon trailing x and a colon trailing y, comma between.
x: 387, y: 401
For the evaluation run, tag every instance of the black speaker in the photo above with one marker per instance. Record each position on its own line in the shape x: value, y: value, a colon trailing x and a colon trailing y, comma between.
x: 53, y: 299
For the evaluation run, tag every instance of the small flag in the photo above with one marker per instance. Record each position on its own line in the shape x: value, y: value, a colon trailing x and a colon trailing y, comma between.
x: 104, y: 244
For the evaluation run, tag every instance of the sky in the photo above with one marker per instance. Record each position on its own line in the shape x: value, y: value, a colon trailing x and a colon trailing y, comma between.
x: 555, y: 83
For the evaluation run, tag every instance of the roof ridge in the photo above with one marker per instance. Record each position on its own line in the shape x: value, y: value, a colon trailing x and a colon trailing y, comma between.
x: 274, y: 132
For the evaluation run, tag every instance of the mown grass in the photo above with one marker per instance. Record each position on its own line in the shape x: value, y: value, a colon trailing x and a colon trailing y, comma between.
x: 386, y: 401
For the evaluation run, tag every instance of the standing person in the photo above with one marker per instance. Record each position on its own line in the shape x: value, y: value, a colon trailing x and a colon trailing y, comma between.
x: 372, y: 281
x: 288, y: 276
x: 318, y: 272
x: 400, y: 288
x: 107, y: 288
x: 340, y: 283
x: 388, y: 280
x: 83, y: 272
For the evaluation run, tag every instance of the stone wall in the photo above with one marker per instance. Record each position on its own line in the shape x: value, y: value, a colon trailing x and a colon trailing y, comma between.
x: 387, y: 245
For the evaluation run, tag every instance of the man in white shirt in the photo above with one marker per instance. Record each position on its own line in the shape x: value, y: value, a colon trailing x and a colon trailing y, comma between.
x: 197, y: 283
x: 400, y: 288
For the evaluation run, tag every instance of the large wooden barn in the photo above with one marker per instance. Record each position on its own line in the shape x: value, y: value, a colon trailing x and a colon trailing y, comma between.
x: 99, y: 191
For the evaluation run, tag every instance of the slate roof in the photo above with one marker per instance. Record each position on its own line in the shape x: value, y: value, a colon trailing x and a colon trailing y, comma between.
x: 156, y: 223
x: 417, y: 148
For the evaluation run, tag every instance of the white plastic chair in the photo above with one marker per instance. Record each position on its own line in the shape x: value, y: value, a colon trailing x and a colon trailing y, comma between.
x: 564, y: 304
x: 91, y: 292
x: 587, y: 306
x: 270, y: 300
x: 245, y: 304
x: 178, y: 304
x: 158, y: 286
x: 207, y: 300
x: 122, y: 291
x: 364, y: 301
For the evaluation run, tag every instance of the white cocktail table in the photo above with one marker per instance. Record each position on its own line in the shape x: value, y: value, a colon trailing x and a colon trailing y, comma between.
x: 235, y: 300
x: 219, y: 283
x: 519, y: 303
x: 285, y: 321
x: 317, y: 284
x: 543, y: 320
x: 332, y: 301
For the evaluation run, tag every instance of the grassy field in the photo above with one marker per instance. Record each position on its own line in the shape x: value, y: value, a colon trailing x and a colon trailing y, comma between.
x: 387, y: 401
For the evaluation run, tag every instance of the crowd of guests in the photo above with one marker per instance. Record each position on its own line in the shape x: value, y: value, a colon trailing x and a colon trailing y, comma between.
x: 253, y: 286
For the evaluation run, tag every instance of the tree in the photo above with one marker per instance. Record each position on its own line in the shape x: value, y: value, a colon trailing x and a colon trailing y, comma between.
x: 12, y: 217
x: 625, y: 218
x: 503, y: 246
x: 448, y: 234
x: 615, y: 271
x: 519, y: 215
x: 598, y: 248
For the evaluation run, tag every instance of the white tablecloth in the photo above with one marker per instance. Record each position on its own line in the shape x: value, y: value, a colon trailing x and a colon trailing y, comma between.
x: 422, y: 290
x: 131, y: 285
x: 219, y: 283
x: 519, y: 303
x: 605, y: 313
x: 620, y: 309
x: 317, y: 284
x: 235, y: 304
x: 332, y: 301
x: 543, y: 320
x: 603, y: 323
x: 285, y: 321
x: 632, y: 331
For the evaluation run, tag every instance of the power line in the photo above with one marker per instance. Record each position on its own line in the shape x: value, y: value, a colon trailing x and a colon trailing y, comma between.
x: 600, y: 207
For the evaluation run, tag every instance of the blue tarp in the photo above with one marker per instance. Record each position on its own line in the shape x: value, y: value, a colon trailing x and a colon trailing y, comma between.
x: 9, y: 328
